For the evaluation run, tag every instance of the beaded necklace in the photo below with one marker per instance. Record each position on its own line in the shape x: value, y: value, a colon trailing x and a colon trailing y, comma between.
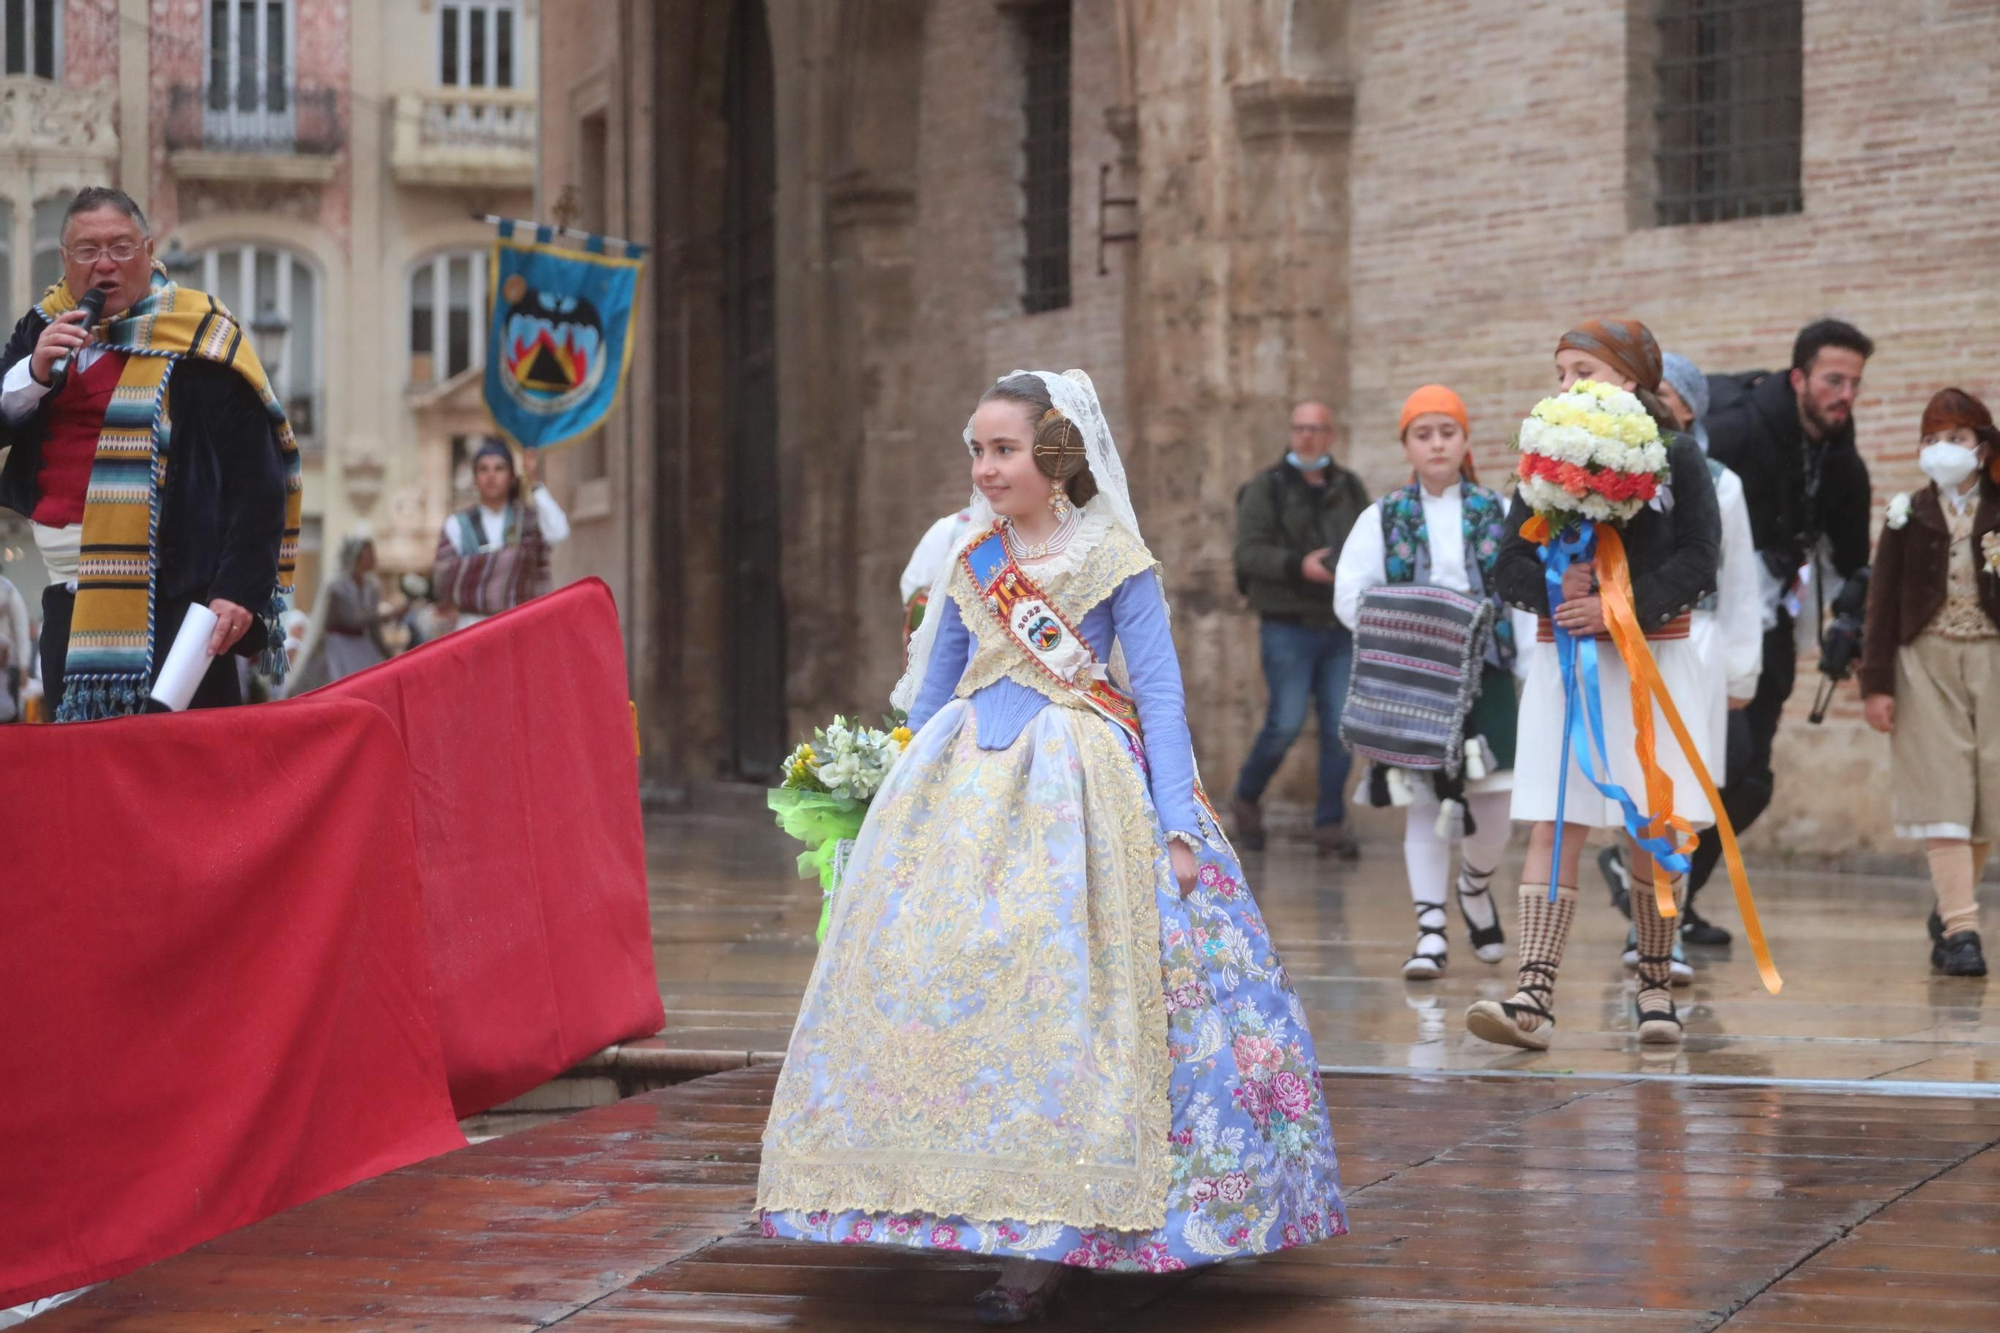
x: 1057, y: 541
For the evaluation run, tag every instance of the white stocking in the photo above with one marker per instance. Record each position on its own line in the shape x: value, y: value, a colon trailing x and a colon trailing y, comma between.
x: 1426, y: 856
x: 1480, y: 853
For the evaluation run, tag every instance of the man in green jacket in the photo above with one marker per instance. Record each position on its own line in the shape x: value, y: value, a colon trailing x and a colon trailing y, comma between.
x: 1291, y: 520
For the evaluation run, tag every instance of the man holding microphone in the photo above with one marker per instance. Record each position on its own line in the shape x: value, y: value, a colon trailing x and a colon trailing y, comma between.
x: 155, y: 465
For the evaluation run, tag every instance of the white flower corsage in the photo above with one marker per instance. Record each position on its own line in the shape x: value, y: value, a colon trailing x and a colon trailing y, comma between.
x: 1899, y: 510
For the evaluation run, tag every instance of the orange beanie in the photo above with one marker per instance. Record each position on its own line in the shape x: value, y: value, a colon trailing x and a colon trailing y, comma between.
x: 1433, y: 398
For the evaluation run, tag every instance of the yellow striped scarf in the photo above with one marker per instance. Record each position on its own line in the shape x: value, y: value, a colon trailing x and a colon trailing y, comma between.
x: 109, y: 671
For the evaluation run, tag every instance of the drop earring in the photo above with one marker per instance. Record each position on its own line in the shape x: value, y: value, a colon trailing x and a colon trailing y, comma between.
x: 1058, y: 501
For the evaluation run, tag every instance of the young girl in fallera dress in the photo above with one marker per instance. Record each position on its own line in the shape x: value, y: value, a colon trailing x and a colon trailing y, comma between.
x: 1444, y: 529
x: 1047, y: 1022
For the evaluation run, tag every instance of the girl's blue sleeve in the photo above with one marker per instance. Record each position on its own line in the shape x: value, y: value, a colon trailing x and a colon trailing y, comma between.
x: 1139, y: 619
x: 950, y: 653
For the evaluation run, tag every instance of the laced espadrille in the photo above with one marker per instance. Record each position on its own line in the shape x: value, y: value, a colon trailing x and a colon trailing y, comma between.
x: 1659, y: 1021
x: 1489, y: 941
x: 1427, y: 959
x: 1528, y: 1019
x: 1525, y: 1021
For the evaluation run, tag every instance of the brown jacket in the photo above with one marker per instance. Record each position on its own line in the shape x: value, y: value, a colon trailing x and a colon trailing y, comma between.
x: 1907, y: 588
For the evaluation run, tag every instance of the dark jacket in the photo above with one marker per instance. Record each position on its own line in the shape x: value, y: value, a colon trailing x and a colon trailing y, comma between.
x: 1795, y: 489
x: 222, y: 515
x: 1281, y: 518
x: 1912, y: 570
x: 1672, y: 553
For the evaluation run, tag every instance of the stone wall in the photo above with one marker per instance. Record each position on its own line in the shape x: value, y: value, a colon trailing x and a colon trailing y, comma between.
x: 1336, y: 200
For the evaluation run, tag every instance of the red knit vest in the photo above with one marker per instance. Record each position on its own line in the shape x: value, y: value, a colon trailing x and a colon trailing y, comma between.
x: 76, y: 419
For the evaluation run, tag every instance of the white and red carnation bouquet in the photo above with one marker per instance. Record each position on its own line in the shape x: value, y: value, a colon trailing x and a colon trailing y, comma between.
x: 1590, y: 452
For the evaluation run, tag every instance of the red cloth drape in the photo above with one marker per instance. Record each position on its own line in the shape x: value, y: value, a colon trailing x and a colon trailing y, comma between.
x: 520, y: 742
x: 215, y: 995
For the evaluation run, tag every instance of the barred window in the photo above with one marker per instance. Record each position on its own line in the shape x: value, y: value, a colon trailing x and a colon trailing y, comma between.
x: 1729, y: 109
x: 1045, y: 182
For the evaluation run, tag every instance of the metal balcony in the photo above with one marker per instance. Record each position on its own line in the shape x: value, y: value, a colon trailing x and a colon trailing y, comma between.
x: 253, y: 132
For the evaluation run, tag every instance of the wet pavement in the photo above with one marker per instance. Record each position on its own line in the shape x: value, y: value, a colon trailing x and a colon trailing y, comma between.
x: 732, y: 928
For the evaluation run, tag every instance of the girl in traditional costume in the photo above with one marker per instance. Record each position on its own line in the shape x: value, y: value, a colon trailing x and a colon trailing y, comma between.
x: 345, y: 635
x: 1444, y: 529
x: 1048, y: 1022
x: 1671, y: 548
x: 1930, y: 666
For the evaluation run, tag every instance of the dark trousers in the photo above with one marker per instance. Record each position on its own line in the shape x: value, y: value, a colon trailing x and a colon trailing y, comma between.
x: 1752, y: 731
x: 1303, y: 665
x: 218, y: 689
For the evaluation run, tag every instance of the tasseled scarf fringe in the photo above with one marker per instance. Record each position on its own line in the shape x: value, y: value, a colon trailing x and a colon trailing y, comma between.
x: 95, y: 698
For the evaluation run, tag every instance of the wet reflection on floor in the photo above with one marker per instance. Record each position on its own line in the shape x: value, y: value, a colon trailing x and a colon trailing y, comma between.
x: 732, y: 928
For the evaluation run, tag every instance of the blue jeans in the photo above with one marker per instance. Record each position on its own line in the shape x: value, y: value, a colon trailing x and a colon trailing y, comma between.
x: 1303, y: 663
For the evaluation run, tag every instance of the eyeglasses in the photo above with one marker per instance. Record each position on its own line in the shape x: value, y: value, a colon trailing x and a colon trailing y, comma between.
x: 1304, y: 428
x: 121, y: 252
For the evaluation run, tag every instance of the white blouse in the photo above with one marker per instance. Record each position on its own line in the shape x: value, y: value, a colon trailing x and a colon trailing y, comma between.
x: 1363, y: 565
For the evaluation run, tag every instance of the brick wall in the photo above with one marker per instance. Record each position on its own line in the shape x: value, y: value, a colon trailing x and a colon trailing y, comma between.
x: 970, y: 325
x: 1491, y: 212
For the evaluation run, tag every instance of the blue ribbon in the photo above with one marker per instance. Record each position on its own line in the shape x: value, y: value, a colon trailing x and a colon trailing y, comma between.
x: 1583, y: 710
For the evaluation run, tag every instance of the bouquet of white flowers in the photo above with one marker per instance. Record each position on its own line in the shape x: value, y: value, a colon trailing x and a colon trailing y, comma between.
x: 828, y: 784
x: 1590, y: 452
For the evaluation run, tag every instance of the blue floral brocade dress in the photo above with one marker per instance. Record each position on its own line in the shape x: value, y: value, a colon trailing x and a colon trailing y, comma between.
x: 1019, y: 1039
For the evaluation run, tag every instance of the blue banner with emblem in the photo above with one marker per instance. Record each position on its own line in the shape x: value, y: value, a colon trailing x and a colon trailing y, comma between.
x: 560, y: 336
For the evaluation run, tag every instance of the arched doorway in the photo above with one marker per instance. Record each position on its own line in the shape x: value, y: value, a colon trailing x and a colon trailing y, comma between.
x: 755, y: 616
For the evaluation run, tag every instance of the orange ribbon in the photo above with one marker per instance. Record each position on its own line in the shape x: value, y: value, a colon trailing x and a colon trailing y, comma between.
x: 1614, y: 581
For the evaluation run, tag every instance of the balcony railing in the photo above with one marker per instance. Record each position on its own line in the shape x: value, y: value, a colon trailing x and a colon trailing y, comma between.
x: 302, y: 121
x: 465, y: 136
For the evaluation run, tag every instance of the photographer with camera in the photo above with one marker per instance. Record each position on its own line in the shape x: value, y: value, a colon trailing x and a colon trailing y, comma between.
x: 1790, y: 438
x: 1930, y: 670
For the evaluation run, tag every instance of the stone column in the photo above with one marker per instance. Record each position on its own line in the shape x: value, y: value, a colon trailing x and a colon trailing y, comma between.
x: 135, y: 110
x: 1239, y: 307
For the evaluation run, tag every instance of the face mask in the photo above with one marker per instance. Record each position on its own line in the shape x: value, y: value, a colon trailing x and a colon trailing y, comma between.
x: 1946, y: 463
x: 1325, y: 461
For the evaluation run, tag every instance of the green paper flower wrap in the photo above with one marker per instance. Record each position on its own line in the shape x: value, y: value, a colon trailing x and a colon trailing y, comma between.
x: 828, y: 784
x: 822, y: 822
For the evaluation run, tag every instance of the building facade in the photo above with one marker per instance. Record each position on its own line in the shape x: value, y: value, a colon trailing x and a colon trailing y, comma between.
x: 862, y: 211
x: 316, y: 164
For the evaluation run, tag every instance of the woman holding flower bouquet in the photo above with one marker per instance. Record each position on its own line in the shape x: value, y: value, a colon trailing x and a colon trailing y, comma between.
x: 1930, y: 666
x: 1047, y: 1022
x: 1604, y: 450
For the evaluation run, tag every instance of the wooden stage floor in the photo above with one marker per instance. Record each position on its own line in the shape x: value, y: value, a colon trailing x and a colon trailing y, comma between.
x: 1852, y: 1183
x: 1477, y: 1204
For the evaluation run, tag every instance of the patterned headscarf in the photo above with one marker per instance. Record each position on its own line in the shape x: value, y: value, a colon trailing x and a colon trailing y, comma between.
x: 1624, y: 345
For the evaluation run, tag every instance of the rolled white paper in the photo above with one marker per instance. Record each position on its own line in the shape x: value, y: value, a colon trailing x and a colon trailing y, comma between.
x: 187, y: 661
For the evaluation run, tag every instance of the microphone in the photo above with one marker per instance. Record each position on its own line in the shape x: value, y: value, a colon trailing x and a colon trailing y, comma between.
x: 92, y: 306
